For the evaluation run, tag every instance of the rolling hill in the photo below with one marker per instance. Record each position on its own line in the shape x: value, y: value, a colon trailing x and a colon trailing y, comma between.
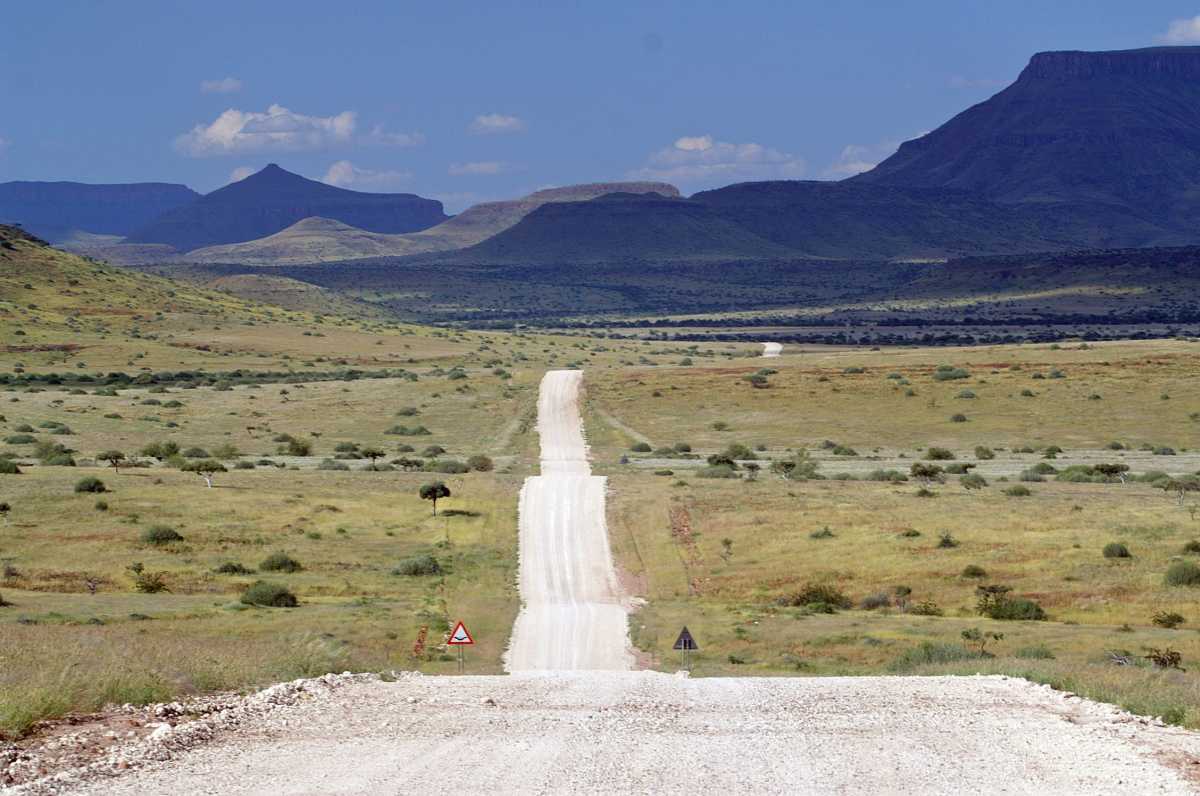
x: 272, y: 200
x: 326, y: 240
x: 57, y: 210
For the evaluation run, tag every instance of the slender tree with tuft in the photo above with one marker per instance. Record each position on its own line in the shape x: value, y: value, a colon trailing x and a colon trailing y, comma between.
x: 435, y: 492
x: 114, y: 458
x: 205, y: 468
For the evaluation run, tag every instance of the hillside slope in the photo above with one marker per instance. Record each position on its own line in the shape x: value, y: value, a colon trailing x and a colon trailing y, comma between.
x: 315, y: 240
x: 55, y: 210
x: 273, y: 199
x: 1113, y: 136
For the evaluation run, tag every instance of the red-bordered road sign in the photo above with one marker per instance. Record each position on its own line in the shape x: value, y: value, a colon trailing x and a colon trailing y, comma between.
x: 460, y: 636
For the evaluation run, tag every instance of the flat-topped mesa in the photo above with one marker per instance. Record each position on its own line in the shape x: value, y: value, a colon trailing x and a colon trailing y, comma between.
x: 1158, y: 62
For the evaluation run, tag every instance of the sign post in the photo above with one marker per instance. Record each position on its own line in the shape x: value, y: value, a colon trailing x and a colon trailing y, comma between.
x: 460, y: 637
x: 686, y: 644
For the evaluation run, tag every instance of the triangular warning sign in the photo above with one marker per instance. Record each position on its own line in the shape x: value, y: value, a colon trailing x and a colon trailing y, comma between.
x: 685, y: 641
x: 460, y: 635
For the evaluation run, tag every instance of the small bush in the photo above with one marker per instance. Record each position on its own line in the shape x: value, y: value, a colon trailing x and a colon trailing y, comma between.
x: 160, y: 534
x: 973, y: 481
x: 717, y: 471
x: 929, y: 653
x: 480, y: 463
x: 280, y: 562
x: 9, y: 467
x: 939, y: 455
x: 418, y: 565
x: 1169, y: 620
x: 641, y: 447
x: 946, y: 541
x: 878, y: 600
x: 974, y: 571
x: 822, y: 533
x: 982, y: 452
x: 1018, y: 491
x: 1038, y: 652
x: 450, y: 466
x: 958, y: 417
x: 332, y: 464
x: 925, y: 608
x: 816, y: 593
x: 20, y: 439
x: 271, y: 595
x: 948, y: 373
x: 90, y: 483
x: 1116, y: 550
x: 1191, y: 547
x: 233, y: 568
x: 1183, y: 573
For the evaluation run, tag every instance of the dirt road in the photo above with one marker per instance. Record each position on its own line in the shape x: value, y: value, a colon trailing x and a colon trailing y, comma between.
x: 645, y: 732
x: 772, y: 349
x: 571, y: 616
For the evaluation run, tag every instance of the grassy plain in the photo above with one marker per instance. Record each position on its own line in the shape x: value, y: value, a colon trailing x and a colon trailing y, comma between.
x: 718, y: 554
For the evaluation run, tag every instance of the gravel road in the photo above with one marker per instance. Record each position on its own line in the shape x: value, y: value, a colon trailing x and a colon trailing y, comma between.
x: 643, y: 732
x: 572, y: 616
x: 772, y: 349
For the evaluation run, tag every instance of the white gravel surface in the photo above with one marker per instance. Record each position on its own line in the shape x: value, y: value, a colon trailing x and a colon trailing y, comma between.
x: 646, y: 732
x: 772, y: 349
x: 572, y: 615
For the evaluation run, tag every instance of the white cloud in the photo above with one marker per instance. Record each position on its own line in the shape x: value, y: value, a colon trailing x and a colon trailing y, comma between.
x: 496, y: 123
x: 700, y: 160
x: 1182, y: 31
x: 380, y: 137
x: 276, y: 130
x: 345, y: 174
x: 241, y: 173
x: 479, y: 168
x: 857, y: 158
x: 226, y: 85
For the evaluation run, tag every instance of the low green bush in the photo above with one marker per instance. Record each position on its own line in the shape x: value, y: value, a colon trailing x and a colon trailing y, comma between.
x: 425, y: 564
x: 280, y: 562
x: 271, y: 595
x: 90, y: 483
x: 160, y: 534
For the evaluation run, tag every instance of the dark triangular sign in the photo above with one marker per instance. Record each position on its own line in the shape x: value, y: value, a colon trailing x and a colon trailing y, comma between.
x: 685, y: 641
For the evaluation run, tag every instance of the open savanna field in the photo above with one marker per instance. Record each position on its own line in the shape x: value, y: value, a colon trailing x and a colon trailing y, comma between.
x: 733, y: 558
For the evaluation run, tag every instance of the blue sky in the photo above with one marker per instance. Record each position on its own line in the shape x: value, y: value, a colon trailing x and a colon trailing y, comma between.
x: 473, y: 101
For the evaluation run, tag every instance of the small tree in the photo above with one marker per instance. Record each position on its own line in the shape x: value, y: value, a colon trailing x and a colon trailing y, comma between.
x: 435, y: 492
x: 114, y: 458
x: 372, y: 453
x: 205, y: 468
x: 980, y: 637
x: 5, y: 509
x: 752, y: 471
x: 726, y: 549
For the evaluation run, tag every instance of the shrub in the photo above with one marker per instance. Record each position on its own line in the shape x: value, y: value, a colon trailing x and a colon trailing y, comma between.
x: 20, y: 439
x: 195, y: 453
x: 1183, y: 573
x: 843, y: 450
x: 480, y: 463
x: 982, y: 452
x: 160, y: 534
x: 332, y: 464
x: 814, y: 593
x: 450, y: 466
x: 958, y: 418
x: 1169, y: 620
x: 9, y: 467
x: 717, y: 471
x: 939, y: 454
x: 1116, y: 550
x: 973, y: 481
x: 280, y: 562
x: 946, y: 541
x: 1037, y: 652
x: 1018, y: 491
x: 90, y: 483
x: 878, y: 600
x: 823, y: 533
x: 1191, y: 547
x: 640, y: 447
x: 233, y: 568
x: 418, y: 565
x: 995, y: 603
x: 929, y: 653
x: 974, y: 571
x: 271, y: 595
x: 890, y: 476
x: 949, y: 373
x: 925, y: 608
x: 965, y: 394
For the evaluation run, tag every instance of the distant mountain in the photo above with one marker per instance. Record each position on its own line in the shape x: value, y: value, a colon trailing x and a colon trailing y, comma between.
x: 58, y: 210
x: 620, y: 227
x: 273, y: 199
x: 1107, y: 142
x: 315, y: 240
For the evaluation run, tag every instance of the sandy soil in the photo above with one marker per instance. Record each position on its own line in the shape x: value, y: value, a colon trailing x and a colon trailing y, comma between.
x: 572, y: 615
